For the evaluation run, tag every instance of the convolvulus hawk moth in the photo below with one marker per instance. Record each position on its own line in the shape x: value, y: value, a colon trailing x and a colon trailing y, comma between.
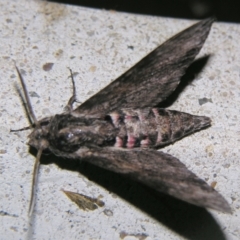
x: 120, y: 127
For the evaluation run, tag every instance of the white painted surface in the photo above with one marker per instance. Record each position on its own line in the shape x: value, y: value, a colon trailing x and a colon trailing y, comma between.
x: 96, y: 44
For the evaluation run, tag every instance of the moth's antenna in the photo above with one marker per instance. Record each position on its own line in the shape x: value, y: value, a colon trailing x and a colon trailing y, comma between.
x: 37, y: 162
x: 31, y: 113
x: 34, y: 182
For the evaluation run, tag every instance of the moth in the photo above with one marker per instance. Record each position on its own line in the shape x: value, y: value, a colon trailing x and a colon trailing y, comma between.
x: 120, y: 128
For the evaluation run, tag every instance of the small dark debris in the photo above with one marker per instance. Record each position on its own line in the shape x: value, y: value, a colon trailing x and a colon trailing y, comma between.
x: 84, y: 202
x: 47, y: 66
x: 131, y: 47
x: 204, y: 100
x: 33, y: 94
x: 22, y: 71
x: 108, y: 212
x: 3, y: 213
x: 140, y: 236
x: 213, y: 184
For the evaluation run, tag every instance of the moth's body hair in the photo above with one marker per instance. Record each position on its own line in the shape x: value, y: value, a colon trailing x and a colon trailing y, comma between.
x: 119, y: 128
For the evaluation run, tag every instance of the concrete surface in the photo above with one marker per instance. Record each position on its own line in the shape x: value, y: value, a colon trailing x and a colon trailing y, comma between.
x: 100, y: 45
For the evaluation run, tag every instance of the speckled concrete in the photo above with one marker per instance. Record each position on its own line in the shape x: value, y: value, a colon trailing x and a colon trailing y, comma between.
x: 100, y: 45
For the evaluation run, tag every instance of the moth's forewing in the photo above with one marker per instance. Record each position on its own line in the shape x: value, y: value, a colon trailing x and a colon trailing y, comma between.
x: 152, y: 79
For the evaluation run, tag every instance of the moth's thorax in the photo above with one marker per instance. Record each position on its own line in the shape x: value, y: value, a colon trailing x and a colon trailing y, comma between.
x: 68, y: 133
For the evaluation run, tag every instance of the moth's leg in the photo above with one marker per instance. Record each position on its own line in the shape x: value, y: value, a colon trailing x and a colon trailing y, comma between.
x: 21, y: 129
x: 72, y: 99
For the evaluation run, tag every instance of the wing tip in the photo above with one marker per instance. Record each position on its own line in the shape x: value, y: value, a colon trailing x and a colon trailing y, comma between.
x: 213, y: 200
x: 205, y: 24
x: 221, y: 205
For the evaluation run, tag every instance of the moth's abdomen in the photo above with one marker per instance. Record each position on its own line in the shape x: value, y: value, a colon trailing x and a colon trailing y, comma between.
x: 154, y: 127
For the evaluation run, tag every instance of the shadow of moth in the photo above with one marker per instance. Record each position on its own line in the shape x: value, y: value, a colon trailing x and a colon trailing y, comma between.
x: 120, y: 127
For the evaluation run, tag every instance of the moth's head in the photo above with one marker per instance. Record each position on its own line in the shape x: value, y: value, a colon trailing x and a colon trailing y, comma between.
x: 38, y: 138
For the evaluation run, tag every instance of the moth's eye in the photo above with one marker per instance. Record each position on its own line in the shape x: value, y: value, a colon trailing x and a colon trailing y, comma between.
x: 69, y: 135
x: 38, y: 136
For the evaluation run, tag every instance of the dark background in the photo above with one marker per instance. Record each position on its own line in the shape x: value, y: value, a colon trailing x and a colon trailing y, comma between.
x: 223, y: 10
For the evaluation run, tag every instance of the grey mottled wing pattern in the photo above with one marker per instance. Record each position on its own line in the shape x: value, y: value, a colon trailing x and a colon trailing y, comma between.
x: 162, y: 172
x: 152, y: 79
